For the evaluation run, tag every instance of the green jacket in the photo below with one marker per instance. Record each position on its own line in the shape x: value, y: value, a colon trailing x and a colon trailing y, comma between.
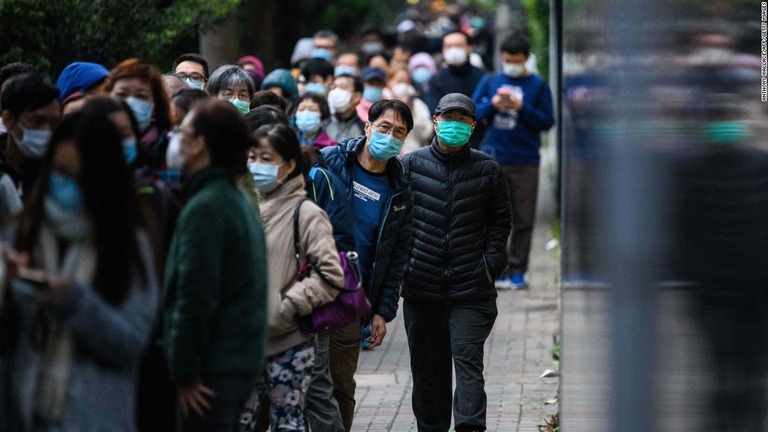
x: 215, y: 283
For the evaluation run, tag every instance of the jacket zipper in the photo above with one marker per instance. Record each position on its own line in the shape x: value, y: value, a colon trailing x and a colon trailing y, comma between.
x: 378, y: 237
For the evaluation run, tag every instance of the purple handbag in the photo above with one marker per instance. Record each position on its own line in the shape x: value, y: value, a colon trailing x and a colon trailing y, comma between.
x: 351, y: 304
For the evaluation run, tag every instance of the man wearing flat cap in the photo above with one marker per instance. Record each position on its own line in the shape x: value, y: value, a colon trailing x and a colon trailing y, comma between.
x: 461, y: 224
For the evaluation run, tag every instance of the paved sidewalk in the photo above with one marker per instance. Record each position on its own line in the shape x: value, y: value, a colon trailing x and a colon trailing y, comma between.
x: 516, y: 354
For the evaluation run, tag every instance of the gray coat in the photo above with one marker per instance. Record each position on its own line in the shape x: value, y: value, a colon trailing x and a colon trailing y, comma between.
x: 108, y: 343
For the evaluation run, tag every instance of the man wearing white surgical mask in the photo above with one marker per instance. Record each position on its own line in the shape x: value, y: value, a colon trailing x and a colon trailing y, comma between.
x: 456, y: 76
x: 30, y: 112
x: 346, y: 92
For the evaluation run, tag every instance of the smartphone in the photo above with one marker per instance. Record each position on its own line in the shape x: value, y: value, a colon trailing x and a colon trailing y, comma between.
x: 30, y: 282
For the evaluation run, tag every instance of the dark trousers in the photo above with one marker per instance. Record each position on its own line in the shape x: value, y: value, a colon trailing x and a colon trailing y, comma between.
x: 439, y: 335
x: 522, y: 187
x: 232, y: 391
x: 344, y: 351
x: 320, y: 407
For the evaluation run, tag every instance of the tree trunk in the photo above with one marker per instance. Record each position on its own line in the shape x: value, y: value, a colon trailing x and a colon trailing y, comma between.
x: 221, y: 45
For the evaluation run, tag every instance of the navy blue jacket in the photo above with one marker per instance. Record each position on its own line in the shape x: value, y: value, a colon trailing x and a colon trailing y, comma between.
x: 462, y: 219
x: 394, y: 240
x: 325, y: 188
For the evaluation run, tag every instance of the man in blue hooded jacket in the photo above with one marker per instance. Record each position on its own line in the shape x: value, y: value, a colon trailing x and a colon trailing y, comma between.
x: 382, y: 211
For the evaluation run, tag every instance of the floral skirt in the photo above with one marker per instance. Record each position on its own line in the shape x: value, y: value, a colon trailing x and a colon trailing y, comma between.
x: 284, y: 383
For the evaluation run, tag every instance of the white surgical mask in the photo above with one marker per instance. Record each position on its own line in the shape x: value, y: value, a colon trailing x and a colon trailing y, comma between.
x: 142, y: 111
x: 338, y: 100
x: 34, y: 142
x: 455, y: 56
x: 403, y: 90
x: 173, y: 157
x: 513, y: 70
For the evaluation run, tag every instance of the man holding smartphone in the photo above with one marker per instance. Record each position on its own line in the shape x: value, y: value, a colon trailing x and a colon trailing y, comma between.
x: 518, y: 106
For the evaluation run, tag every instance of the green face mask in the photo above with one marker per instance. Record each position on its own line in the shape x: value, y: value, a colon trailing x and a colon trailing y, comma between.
x: 453, y: 133
x: 241, y: 106
x: 726, y: 132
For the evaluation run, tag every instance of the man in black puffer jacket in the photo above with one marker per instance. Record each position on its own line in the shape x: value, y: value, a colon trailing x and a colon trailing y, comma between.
x: 461, y: 224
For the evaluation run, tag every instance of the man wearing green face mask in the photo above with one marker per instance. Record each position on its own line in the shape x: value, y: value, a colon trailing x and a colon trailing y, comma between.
x: 461, y: 220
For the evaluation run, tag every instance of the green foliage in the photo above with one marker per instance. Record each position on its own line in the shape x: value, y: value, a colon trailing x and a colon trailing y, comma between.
x: 538, y: 23
x: 54, y: 33
x: 344, y: 17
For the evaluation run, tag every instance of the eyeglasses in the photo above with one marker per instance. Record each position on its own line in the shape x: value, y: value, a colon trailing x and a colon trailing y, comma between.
x: 399, y: 133
x: 194, y: 77
x: 228, y: 94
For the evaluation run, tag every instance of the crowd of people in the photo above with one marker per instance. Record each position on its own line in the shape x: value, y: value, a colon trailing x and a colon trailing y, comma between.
x: 149, y: 262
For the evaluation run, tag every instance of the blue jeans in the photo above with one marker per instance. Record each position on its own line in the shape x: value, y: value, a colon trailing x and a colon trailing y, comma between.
x: 439, y: 335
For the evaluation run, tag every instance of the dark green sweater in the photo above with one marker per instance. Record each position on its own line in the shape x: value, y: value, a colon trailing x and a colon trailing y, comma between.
x: 215, y: 283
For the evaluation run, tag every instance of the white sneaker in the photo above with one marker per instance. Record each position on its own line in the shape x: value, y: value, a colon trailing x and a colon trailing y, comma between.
x: 503, y: 283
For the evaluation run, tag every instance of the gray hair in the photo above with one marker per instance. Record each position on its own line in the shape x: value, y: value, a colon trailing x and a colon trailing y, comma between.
x: 229, y: 75
x: 327, y: 34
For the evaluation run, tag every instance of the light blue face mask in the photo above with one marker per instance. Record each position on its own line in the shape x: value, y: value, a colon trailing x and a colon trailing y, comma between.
x: 373, y: 94
x: 314, y: 87
x: 321, y: 53
x: 265, y: 176
x: 241, y: 106
x: 194, y: 85
x: 307, y: 121
x: 129, y: 150
x: 421, y: 75
x: 383, y: 147
x: 64, y: 191
x: 345, y: 70
x: 142, y: 110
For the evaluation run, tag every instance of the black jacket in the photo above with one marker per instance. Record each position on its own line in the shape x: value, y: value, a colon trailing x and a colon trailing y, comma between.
x: 461, y: 224
x: 394, y: 239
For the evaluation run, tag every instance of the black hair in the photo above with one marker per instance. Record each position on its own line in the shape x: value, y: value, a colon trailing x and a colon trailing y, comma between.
x: 405, y: 46
x: 265, y: 115
x: 229, y: 75
x: 193, y: 57
x: 28, y: 91
x: 357, y: 82
x: 317, y: 66
x: 516, y: 43
x: 225, y: 133
x: 109, y: 105
x: 283, y: 139
x: 325, y: 111
x: 466, y: 36
x: 110, y: 199
x: 15, y: 68
x: 266, y: 97
x: 368, y: 58
x: 186, y: 97
x: 401, y: 109
x: 353, y: 52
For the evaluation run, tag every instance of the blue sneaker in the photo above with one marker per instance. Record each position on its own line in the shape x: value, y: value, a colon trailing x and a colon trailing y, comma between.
x: 503, y: 283
x: 518, y: 282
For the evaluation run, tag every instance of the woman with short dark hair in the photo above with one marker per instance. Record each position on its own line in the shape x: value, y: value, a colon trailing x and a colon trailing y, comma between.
x: 277, y: 166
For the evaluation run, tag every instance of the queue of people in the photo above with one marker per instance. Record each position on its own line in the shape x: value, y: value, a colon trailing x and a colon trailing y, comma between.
x: 149, y: 263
